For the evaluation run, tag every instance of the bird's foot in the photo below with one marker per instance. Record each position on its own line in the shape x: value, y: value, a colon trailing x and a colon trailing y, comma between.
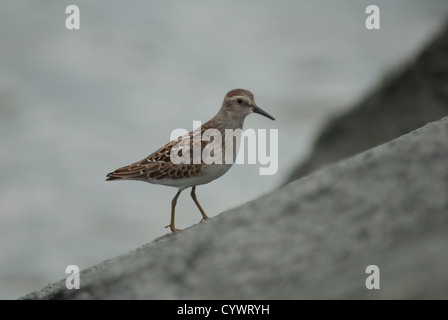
x: 172, y: 228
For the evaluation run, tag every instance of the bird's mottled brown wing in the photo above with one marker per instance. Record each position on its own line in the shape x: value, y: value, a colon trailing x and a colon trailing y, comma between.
x: 155, y: 170
x: 158, y: 165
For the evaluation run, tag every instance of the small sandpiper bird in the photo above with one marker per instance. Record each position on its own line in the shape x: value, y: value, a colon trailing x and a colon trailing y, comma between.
x: 158, y: 167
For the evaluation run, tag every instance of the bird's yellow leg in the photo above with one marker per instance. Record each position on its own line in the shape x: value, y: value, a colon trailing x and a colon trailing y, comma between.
x: 193, y: 196
x: 173, y: 207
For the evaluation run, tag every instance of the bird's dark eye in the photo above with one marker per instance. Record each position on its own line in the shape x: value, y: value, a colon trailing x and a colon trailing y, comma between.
x: 240, y: 101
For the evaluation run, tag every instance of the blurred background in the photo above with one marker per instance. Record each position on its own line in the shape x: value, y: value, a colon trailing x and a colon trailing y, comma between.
x: 77, y: 104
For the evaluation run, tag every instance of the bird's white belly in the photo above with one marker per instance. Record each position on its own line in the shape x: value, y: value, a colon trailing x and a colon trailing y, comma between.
x: 209, y: 173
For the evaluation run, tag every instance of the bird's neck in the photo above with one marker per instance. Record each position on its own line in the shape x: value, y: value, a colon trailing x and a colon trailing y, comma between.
x: 226, y: 120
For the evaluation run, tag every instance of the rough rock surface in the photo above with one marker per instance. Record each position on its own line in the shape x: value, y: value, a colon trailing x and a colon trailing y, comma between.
x: 313, y: 238
x: 410, y: 98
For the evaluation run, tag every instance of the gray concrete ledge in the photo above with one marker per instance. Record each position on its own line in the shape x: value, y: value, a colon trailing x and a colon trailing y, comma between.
x: 312, y: 238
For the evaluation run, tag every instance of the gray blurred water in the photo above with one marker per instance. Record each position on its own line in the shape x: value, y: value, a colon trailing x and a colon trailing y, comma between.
x: 75, y: 105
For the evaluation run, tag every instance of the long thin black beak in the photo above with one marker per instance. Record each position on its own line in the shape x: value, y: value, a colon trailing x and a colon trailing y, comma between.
x: 258, y: 110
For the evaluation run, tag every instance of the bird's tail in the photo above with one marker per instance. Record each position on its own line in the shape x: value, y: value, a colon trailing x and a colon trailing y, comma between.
x: 110, y: 177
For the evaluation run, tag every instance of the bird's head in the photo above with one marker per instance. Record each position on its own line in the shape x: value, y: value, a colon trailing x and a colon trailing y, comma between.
x: 238, y: 103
